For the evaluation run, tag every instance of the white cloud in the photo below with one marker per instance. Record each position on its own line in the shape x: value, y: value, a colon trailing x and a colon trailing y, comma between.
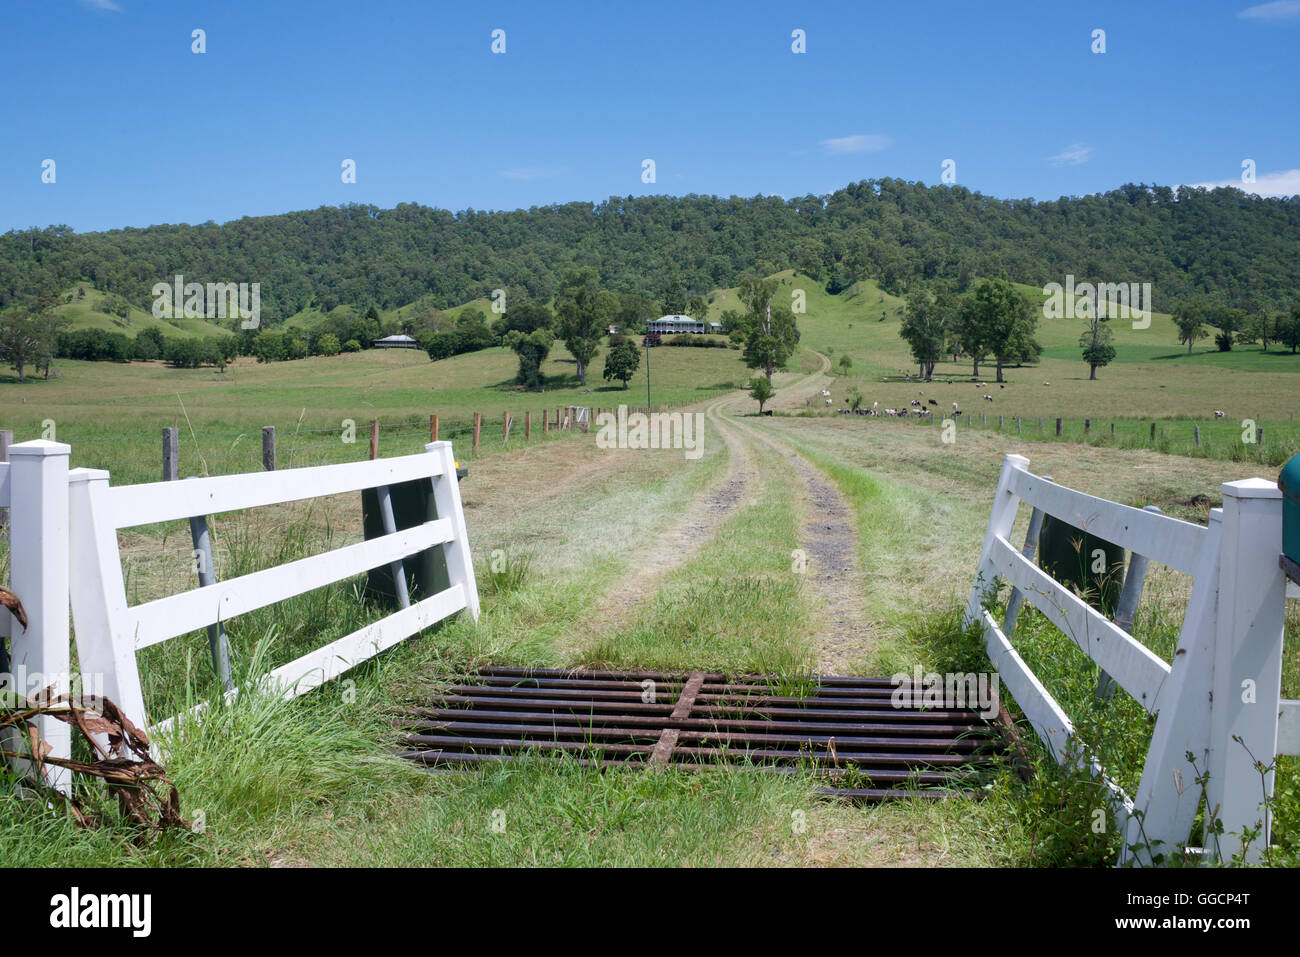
x: 1284, y: 182
x: 1073, y: 155
x: 532, y: 172
x: 1279, y: 10
x: 101, y: 5
x: 859, y: 143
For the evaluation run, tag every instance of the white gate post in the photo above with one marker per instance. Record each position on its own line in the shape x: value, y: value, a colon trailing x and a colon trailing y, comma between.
x: 1168, y: 796
x: 446, y: 497
x: 1247, y: 663
x: 38, y: 575
x: 1001, y: 519
x: 99, y: 597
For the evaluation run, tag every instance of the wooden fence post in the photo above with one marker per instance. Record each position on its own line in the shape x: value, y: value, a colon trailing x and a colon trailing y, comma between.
x: 546, y: 422
x: 374, y: 438
x: 1196, y: 433
x: 999, y: 423
x: 1058, y: 426
x: 1153, y: 431
x: 268, y: 447
x: 1087, y: 426
x: 528, y: 426
x: 1112, y: 430
x: 38, y: 574
x: 433, y: 427
x: 171, y: 454
x: 478, y: 427
x: 1040, y: 423
x: 201, y: 539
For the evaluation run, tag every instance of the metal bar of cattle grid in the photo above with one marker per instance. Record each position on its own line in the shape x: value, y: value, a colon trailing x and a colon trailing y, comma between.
x: 846, y: 730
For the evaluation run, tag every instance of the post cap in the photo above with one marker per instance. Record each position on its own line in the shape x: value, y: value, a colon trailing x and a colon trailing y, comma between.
x: 1251, y: 488
x: 40, y: 447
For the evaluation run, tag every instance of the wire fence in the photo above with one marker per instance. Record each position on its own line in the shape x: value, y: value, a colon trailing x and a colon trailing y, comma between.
x: 1269, y: 443
x: 198, y: 451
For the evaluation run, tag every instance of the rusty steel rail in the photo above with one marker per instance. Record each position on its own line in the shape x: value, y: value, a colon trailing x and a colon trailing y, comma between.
x: 846, y: 730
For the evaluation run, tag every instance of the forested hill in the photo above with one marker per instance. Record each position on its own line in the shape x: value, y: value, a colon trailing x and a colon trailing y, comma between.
x: 1242, y: 249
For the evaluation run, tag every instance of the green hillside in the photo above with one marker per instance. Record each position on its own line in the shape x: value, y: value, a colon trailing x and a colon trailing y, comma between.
x: 86, y: 311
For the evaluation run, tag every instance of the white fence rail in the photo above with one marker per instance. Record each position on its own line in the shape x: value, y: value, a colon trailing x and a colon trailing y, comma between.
x: 1219, y: 700
x: 64, y: 550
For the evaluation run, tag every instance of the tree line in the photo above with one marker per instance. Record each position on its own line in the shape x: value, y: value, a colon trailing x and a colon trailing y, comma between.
x: 1241, y: 249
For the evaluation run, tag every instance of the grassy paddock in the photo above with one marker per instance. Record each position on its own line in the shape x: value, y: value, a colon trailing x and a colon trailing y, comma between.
x: 921, y: 512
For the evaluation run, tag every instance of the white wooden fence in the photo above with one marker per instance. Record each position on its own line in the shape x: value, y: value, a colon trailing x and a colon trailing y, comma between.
x: 64, y: 547
x: 1219, y: 700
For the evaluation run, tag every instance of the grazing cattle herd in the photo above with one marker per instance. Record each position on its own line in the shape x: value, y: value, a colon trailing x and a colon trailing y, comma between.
x: 918, y: 408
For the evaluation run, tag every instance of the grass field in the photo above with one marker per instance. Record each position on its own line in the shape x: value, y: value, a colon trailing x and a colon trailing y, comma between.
x: 220, y: 414
x: 619, y: 558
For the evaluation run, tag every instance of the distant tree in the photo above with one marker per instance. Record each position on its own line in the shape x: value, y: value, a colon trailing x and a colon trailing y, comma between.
x: 760, y: 390
x: 1228, y: 321
x: 328, y: 345
x: 1189, y: 316
x: 526, y: 317
x: 19, y: 339
x: 675, y: 302
x: 622, y: 361
x: 1287, y: 328
x: 733, y: 325
x: 698, y: 308
x: 472, y: 332
x: 924, y: 328
x: 997, y: 320
x: 634, y: 311
x: 298, y: 349
x: 352, y: 345
x: 845, y: 364
x: 190, y: 353
x: 1098, y: 344
x: 769, y: 332
x: 584, y: 313
x: 855, y: 398
x: 149, y: 343
x: 271, y: 346
x: 441, y: 345
x: 532, y: 348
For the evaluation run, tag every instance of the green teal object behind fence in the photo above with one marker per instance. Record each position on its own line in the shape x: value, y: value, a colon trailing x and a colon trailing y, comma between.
x: 1289, y: 483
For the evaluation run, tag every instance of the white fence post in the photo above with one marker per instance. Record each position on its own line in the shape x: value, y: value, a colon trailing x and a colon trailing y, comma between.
x: 1247, y: 664
x: 38, y: 575
x: 446, y: 497
x: 1168, y: 796
x: 1001, y: 519
x: 99, y: 596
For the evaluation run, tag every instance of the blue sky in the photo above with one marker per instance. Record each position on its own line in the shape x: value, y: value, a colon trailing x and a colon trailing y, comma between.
x: 142, y: 130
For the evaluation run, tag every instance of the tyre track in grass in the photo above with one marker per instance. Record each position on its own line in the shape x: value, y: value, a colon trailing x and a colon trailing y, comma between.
x: 650, y: 564
x: 705, y: 515
x: 830, y: 544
